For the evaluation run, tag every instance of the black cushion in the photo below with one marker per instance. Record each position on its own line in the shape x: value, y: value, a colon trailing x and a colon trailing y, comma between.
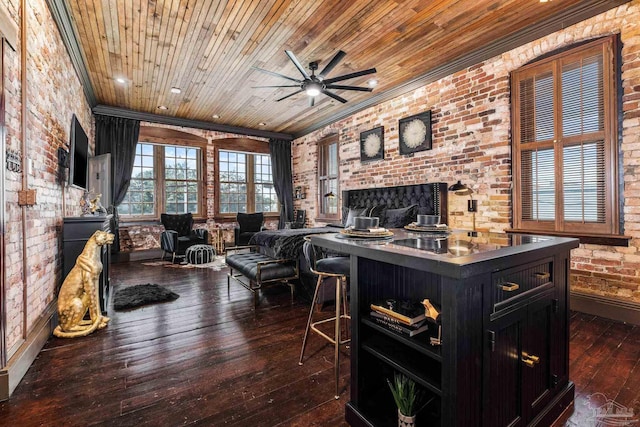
x: 336, y: 265
x: 398, y: 218
x: 378, y: 211
x: 247, y: 265
x: 245, y: 236
x: 348, y: 215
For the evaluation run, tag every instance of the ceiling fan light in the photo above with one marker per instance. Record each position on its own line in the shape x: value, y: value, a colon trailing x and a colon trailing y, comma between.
x: 313, y: 88
x: 313, y: 91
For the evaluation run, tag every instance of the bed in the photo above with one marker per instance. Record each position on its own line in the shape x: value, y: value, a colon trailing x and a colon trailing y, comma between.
x: 395, y: 206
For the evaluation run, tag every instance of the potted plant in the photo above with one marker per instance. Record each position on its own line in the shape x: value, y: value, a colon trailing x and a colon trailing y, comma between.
x: 406, y: 396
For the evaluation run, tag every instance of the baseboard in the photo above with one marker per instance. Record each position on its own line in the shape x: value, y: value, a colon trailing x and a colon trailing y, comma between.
x: 557, y: 407
x: 609, y: 308
x: 20, y: 362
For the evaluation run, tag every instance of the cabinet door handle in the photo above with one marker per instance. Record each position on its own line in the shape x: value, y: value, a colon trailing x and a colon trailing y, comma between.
x: 492, y: 340
x: 530, y: 360
x: 541, y: 275
x: 509, y: 286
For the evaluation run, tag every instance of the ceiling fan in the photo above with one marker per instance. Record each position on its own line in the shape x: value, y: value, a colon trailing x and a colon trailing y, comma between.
x: 314, y: 84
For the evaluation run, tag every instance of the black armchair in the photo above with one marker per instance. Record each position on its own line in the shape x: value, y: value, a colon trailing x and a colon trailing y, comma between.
x: 248, y: 225
x: 179, y: 234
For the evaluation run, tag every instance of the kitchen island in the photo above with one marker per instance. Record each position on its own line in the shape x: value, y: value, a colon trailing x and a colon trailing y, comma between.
x: 502, y: 357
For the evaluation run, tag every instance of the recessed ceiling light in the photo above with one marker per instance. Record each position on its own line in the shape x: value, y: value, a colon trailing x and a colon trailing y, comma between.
x: 163, y: 107
x: 175, y: 90
x: 121, y: 80
x: 372, y: 83
x: 262, y: 124
x: 216, y: 116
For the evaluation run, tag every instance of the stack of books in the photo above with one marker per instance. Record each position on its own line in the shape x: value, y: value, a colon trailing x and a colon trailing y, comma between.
x: 404, y: 317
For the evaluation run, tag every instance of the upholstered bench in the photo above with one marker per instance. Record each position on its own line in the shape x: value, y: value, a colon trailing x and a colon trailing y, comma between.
x: 254, y: 270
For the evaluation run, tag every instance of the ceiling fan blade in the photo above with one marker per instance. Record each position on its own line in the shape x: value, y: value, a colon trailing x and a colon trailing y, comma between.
x: 258, y: 87
x: 334, y: 96
x: 330, y: 66
x: 312, y: 101
x: 277, y: 74
x: 295, y: 61
x: 350, y: 76
x: 361, y: 89
x: 291, y: 94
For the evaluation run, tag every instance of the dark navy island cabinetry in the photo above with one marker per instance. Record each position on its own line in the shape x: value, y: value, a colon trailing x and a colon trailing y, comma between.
x: 503, y: 360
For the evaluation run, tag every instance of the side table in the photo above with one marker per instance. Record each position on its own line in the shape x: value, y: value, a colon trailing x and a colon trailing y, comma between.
x: 217, y: 240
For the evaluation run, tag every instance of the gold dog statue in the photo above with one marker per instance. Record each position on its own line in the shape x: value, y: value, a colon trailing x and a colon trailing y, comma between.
x: 79, y: 292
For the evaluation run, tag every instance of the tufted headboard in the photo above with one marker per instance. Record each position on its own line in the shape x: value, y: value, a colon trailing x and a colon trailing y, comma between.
x: 431, y: 198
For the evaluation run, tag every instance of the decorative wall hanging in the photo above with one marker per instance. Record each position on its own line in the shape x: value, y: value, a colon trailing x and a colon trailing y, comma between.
x: 372, y: 144
x: 299, y: 193
x: 415, y: 133
x: 14, y: 160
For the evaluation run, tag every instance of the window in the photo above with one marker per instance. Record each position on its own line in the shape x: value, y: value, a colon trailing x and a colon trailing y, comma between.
x: 328, y: 190
x: 564, y: 142
x: 265, y: 197
x: 246, y: 183
x: 140, y: 199
x: 181, y: 179
x: 165, y: 179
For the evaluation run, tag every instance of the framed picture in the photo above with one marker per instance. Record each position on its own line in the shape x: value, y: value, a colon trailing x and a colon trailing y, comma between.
x: 415, y: 133
x: 372, y: 144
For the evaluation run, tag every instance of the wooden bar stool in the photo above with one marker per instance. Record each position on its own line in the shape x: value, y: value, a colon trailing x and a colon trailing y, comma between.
x: 338, y: 268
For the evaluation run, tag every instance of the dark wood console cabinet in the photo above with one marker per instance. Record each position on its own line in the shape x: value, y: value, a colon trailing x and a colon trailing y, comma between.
x: 504, y: 302
x: 75, y: 234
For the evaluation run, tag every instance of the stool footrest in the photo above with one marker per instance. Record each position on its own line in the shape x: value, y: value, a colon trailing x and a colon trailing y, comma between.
x: 332, y: 340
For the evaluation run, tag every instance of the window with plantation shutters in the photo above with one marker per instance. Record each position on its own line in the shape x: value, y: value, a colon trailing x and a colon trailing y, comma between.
x: 565, y: 142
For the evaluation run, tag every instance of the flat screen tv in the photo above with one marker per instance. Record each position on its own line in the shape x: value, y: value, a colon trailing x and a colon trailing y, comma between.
x: 79, y: 152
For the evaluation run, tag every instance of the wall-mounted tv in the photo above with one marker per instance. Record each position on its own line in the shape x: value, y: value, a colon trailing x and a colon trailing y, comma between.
x: 79, y: 152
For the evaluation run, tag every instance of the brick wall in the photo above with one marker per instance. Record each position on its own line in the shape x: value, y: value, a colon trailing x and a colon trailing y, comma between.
x: 54, y: 95
x: 471, y: 142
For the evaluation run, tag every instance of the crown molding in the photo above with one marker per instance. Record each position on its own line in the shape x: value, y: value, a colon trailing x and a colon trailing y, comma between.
x: 106, y: 110
x: 62, y: 17
x: 580, y: 12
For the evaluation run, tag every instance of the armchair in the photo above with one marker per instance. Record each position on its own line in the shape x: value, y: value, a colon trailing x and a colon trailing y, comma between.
x: 248, y: 225
x: 179, y: 234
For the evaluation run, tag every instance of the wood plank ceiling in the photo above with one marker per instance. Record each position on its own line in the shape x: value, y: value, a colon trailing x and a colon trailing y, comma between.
x: 208, y: 49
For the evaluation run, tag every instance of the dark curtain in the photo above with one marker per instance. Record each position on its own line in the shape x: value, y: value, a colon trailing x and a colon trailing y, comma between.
x: 280, y: 151
x: 118, y: 136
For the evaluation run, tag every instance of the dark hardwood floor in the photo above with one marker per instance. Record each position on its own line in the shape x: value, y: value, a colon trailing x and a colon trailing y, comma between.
x: 208, y: 359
